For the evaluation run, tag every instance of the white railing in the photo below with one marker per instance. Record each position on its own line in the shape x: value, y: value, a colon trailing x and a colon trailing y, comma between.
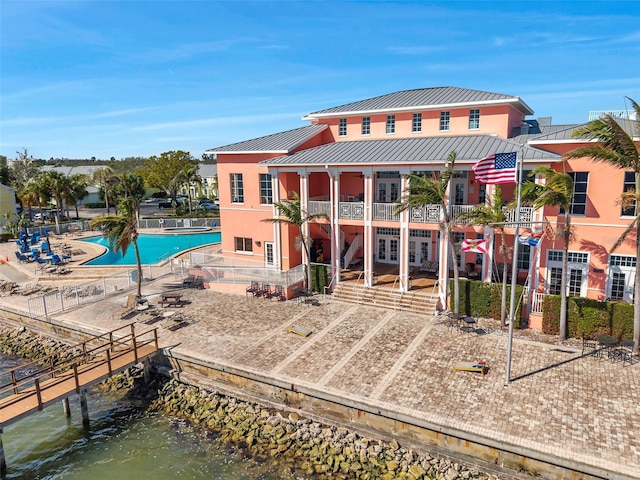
x: 537, y: 302
x: 315, y: 207
x: 386, y: 211
x: 351, y: 210
x: 425, y: 214
x: 526, y: 216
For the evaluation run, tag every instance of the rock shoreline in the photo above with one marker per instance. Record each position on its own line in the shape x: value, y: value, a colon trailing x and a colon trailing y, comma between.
x: 318, y: 450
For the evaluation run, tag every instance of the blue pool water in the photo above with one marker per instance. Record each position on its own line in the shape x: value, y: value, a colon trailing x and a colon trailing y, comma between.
x: 153, y: 248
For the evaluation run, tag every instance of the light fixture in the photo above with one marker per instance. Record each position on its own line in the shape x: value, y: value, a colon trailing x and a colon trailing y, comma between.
x: 258, y: 243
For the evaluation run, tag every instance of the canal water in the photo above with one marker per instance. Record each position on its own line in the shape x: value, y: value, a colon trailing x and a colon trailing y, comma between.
x: 123, y: 442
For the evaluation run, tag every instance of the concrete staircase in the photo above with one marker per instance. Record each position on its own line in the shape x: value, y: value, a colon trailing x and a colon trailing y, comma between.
x: 419, y: 302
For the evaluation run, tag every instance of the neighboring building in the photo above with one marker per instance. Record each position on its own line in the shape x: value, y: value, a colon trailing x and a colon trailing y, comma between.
x: 8, y: 206
x: 351, y: 163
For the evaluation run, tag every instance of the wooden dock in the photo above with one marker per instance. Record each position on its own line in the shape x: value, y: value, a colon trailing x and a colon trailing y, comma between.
x: 33, y: 387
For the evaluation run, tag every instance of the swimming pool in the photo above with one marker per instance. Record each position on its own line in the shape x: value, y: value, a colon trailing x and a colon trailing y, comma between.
x: 153, y: 248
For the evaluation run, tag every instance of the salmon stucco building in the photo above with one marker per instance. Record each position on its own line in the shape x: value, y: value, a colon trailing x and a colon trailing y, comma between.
x: 351, y: 161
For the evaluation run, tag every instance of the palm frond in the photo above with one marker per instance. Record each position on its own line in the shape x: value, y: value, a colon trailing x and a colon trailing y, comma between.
x: 623, y: 236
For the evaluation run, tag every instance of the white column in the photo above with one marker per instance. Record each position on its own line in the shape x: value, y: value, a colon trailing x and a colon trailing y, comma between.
x: 368, y: 241
x: 277, y: 228
x: 403, y: 253
x: 304, y: 206
x: 334, y: 197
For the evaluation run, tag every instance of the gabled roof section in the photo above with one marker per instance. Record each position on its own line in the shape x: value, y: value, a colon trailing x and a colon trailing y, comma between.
x: 282, y: 142
x: 565, y: 134
x: 430, y: 150
x: 422, y: 99
x: 538, y: 131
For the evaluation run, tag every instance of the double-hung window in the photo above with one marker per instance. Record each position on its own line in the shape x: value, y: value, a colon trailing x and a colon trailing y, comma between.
x: 366, y: 125
x: 391, y: 124
x: 445, y: 118
x: 237, y: 188
x: 342, y: 128
x: 474, y: 119
x: 266, y: 189
x: 244, y: 244
x: 416, y: 125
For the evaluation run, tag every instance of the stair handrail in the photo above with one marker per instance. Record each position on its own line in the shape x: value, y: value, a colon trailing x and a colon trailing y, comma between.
x: 328, y: 286
x: 361, y: 289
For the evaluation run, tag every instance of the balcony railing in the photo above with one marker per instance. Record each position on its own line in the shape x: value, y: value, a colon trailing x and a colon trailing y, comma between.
x: 351, y: 210
x: 424, y: 214
x: 316, y: 207
x: 386, y: 212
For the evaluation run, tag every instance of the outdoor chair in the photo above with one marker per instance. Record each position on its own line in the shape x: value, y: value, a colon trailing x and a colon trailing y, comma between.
x: 188, y: 282
x: 22, y: 258
x: 278, y: 293
x: 253, y: 288
x: 264, y: 291
x: 590, y: 346
x: 129, y: 307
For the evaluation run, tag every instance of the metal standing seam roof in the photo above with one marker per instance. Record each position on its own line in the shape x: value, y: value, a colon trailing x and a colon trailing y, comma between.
x: 630, y: 126
x: 430, y: 150
x: 282, y: 142
x: 424, y: 98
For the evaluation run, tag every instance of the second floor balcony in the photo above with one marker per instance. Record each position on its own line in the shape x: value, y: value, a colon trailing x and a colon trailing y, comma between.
x: 424, y: 214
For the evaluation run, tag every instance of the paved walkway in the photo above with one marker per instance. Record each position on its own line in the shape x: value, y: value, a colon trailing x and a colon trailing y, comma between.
x: 558, y: 402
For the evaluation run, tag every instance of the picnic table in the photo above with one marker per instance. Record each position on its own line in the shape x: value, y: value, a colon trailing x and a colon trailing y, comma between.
x: 171, y: 299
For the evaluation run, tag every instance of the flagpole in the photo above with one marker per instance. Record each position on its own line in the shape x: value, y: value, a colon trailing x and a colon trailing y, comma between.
x: 514, y: 267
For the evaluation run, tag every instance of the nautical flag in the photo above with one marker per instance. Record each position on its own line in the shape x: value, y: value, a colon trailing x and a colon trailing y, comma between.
x: 474, y: 245
x: 496, y: 168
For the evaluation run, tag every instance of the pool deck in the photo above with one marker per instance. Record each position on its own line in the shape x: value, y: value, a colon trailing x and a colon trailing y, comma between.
x: 572, y: 408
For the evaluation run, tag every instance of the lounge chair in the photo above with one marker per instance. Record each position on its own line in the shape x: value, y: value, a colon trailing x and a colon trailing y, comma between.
x: 22, y: 258
x: 147, y: 317
x: 480, y: 366
x: 129, y: 307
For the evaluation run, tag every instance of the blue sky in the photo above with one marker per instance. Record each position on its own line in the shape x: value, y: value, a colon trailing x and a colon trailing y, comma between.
x: 94, y: 78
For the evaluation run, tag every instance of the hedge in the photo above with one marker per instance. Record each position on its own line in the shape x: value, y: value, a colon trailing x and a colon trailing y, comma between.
x: 480, y: 299
x: 588, y: 317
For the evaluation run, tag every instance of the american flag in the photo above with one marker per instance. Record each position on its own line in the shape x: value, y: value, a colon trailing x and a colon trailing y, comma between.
x: 496, y: 168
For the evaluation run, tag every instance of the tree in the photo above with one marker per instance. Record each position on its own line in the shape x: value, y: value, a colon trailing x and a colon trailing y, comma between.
x: 291, y: 214
x: 187, y: 176
x: 425, y: 191
x: 557, y: 191
x: 130, y: 185
x: 23, y: 169
x: 121, y: 230
x: 103, y: 177
x: 617, y: 147
x: 492, y: 215
x: 77, y: 190
x: 59, y: 186
x: 160, y: 171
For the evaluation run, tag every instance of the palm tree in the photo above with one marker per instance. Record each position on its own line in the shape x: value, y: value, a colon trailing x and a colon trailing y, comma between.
x: 187, y: 176
x: 103, y: 177
x: 121, y: 230
x: 424, y: 191
x: 492, y: 215
x: 291, y: 214
x: 557, y: 191
x: 617, y: 147
x: 77, y: 190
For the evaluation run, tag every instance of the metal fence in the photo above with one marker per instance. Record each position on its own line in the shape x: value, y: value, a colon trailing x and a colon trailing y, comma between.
x: 90, y: 292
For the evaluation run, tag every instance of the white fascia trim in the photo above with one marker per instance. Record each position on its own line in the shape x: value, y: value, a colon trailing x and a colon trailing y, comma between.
x: 559, y: 142
x: 245, y: 152
x: 511, y: 101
